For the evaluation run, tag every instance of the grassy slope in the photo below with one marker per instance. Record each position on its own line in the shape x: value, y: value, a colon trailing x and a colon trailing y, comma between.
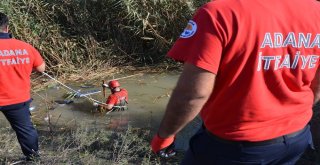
x: 96, y: 34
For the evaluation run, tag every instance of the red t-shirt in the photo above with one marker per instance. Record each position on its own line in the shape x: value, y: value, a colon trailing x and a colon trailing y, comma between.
x: 17, y: 59
x: 117, y: 96
x: 265, y: 55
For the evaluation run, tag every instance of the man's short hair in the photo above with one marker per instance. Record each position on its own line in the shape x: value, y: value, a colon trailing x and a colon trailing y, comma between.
x: 4, y: 20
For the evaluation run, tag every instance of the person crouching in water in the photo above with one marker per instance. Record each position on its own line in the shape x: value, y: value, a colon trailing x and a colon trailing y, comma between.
x: 117, y: 100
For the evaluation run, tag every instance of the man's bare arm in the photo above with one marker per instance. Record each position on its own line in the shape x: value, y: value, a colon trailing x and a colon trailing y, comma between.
x: 107, y: 106
x: 41, y: 68
x: 193, y: 89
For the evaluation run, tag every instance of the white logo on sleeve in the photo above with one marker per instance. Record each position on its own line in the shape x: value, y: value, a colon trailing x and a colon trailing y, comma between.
x: 190, y: 30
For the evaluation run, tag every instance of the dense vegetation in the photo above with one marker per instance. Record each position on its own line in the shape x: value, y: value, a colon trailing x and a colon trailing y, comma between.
x: 73, y: 34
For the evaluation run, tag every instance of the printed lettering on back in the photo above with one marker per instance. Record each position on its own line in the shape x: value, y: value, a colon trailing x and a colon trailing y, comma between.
x: 295, y: 60
x: 14, y: 57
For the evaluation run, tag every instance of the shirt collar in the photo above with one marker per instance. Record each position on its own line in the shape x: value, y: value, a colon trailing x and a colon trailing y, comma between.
x: 5, y: 35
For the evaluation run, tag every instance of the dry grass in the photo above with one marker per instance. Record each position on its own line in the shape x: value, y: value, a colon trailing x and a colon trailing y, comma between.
x: 82, y: 145
x: 74, y: 35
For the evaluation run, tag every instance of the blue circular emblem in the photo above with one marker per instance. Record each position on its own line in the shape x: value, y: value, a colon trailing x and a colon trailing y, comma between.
x: 190, y: 30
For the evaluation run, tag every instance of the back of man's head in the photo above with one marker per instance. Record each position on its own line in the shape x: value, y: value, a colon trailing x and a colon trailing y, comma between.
x: 4, y: 21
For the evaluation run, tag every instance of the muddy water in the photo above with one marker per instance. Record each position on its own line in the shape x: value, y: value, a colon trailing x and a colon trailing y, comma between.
x: 148, y: 96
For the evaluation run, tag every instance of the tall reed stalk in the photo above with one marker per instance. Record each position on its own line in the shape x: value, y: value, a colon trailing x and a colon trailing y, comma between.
x: 91, y: 34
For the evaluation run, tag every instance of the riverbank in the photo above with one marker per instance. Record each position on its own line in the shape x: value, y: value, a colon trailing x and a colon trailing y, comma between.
x: 83, y: 145
x: 74, y: 35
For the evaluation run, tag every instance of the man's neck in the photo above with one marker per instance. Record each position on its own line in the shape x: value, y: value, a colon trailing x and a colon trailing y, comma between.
x: 4, y: 29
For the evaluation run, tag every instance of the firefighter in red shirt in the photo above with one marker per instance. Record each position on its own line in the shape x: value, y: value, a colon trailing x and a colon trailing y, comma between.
x: 251, y: 71
x: 118, y: 99
x: 17, y: 60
